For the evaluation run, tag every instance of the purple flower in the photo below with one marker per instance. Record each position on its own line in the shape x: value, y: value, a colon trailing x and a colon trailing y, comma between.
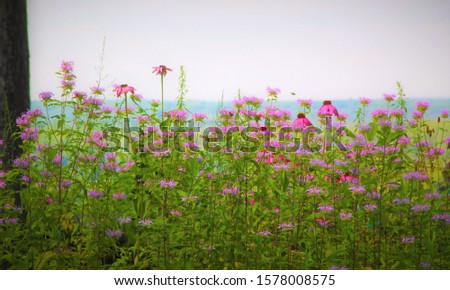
x: 370, y: 207
x: 264, y: 233
x: 325, y: 208
x: 389, y: 98
x: 420, y: 207
x: 57, y: 159
x: 415, y: 175
x: 167, y: 183
x: 338, y: 268
x: 364, y: 101
x: 305, y: 103
x: 95, y: 194
x: 425, y: 265
x: 417, y: 115
x: 118, y: 196
x: 45, y: 96
x: 357, y: 188
x: 114, y: 233
x: 408, y: 239
x: 422, y: 106
x: 444, y: 113
x: 313, y: 190
x: 272, y: 91
x: 124, y: 220
x: 232, y: 191
x: 345, y: 216
x: 287, y: 226
x: 145, y: 222
x: 199, y: 117
x: 380, y: 114
x: 432, y: 195
x: 401, y: 201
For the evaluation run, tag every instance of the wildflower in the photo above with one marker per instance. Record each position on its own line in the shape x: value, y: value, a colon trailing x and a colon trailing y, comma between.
x: 273, y: 92
x: 415, y: 175
x: 124, y: 220
x: 118, y: 196
x: 155, y: 103
x: 199, y: 117
x: 323, y: 222
x: 175, y: 212
x: 444, y: 113
x: 425, y: 265
x: 167, y: 183
x: 301, y: 122
x: 45, y: 96
x: 435, y: 151
x: 401, y: 201
x: 57, y: 159
x: 432, y: 195
x: 380, y: 114
x: 145, y: 222
x: 114, y: 233
x: 389, y: 98
x: 345, y: 216
x: 364, y: 101
x: 364, y: 127
x: 67, y: 66
x: 313, y: 190
x: 95, y: 194
x: 397, y: 113
x: 277, y: 167
x: 422, y: 106
x: 417, y: 115
x: 342, y: 116
x: 252, y: 101
x: 232, y: 191
x: 370, y: 207
x: 264, y: 233
x: 161, y: 70
x: 2, y: 184
x: 287, y: 226
x: 325, y: 208
x: 29, y: 134
x: 358, y: 189
x: 177, y: 114
x: 26, y: 178
x: 420, y: 207
x: 327, y: 110
x: 338, y: 268
x: 123, y: 89
x: 305, y: 103
x: 408, y: 239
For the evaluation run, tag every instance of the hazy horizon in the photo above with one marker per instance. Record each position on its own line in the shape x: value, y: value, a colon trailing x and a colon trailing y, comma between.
x: 317, y: 49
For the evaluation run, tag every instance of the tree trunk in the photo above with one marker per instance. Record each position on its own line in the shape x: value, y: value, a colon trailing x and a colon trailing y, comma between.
x: 14, y: 74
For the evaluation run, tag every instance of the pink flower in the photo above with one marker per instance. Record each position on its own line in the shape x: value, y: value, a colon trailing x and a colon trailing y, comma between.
x: 327, y: 110
x: 422, y: 106
x: 123, y: 89
x: 57, y: 159
x: 389, y: 98
x: 161, y: 70
x: 273, y: 91
x: 305, y: 103
x: 301, y: 122
x: 444, y: 113
x: 364, y: 101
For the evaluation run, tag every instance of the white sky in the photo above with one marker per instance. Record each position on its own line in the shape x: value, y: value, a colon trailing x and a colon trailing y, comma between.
x: 318, y: 49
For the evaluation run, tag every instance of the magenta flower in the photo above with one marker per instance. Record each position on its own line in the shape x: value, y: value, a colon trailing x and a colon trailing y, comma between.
x: 57, y: 159
x: 272, y: 91
x: 422, y: 106
x: 45, y: 96
x: 305, y: 103
x: 364, y: 101
x: 444, y: 113
x: 167, y: 183
x: 301, y: 122
x: 161, y: 70
x: 389, y: 98
x: 327, y: 110
x: 123, y: 89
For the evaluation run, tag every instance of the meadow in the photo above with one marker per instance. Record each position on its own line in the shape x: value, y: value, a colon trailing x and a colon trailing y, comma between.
x: 135, y: 186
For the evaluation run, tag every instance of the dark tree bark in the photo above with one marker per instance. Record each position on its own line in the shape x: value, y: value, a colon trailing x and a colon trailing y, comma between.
x: 14, y: 74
